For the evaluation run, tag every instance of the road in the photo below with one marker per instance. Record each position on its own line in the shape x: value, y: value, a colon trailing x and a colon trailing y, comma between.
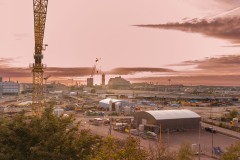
x: 223, y: 130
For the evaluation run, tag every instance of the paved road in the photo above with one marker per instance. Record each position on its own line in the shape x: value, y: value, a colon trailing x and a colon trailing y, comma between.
x: 223, y: 130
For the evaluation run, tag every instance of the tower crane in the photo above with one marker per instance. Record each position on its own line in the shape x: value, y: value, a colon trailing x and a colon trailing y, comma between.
x: 94, y: 67
x: 90, y: 80
x: 40, y: 13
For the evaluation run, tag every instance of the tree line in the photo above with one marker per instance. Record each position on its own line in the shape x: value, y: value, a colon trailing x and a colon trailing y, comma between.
x: 60, y: 138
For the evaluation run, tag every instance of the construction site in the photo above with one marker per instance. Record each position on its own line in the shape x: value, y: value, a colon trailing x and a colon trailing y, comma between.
x: 207, y: 117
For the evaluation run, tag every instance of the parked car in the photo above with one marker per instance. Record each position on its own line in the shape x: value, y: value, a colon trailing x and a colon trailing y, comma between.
x: 210, y: 129
x: 134, y: 132
x: 149, y: 135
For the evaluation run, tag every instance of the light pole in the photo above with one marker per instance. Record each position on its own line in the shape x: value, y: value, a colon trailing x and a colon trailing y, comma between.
x: 212, y: 129
x: 199, y: 147
x: 110, y: 109
x: 160, y: 135
x: 46, y: 78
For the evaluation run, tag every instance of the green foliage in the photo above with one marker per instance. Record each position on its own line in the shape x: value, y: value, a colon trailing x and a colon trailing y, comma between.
x: 223, y: 119
x: 223, y: 125
x: 233, y: 113
x: 233, y: 152
x: 59, y: 138
x: 48, y: 138
x: 185, y: 152
x: 161, y: 152
x: 113, y: 149
x: 132, y: 151
x: 220, y: 124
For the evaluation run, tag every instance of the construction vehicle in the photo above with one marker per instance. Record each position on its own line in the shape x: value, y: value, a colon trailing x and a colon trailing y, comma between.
x: 40, y: 13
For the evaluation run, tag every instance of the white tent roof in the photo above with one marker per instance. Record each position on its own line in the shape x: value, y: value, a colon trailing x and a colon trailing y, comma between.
x: 107, y: 100
x: 24, y: 103
x: 172, y: 114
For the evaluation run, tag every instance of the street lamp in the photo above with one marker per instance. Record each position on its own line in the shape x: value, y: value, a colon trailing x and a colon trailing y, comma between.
x: 212, y: 127
x: 110, y: 109
x: 46, y: 78
x: 212, y: 132
x: 199, y: 147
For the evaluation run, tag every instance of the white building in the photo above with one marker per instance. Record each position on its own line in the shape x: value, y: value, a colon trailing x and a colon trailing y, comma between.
x: 25, y: 87
x: 10, y: 87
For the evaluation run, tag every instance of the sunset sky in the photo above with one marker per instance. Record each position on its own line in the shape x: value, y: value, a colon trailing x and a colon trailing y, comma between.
x: 133, y: 39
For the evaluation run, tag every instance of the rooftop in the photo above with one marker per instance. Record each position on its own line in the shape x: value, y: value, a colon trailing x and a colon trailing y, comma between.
x: 172, y: 114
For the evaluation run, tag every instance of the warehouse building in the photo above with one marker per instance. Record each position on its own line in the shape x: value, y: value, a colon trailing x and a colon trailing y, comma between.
x: 168, y: 119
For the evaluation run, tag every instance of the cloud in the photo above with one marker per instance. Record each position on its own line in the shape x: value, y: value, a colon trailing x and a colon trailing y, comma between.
x: 53, y: 71
x: 225, y: 28
x: 19, y: 36
x: 126, y: 71
x: 74, y: 72
x: 229, y: 2
x: 213, y: 80
x: 220, y: 65
x: 69, y: 72
x: 5, y: 62
x: 223, y: 70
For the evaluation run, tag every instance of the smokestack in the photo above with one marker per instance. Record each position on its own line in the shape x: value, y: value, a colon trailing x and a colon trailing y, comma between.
x: 103, y: 79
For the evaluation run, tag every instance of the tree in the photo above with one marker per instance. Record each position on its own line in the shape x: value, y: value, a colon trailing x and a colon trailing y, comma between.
x: 233, y: 152
x: 48, y: 138
x: 108, y: 149
x: 113, y: 149
x: 233, y: 113
x: 185, y: 152
x: 132, y: 150
x: 161, y: 152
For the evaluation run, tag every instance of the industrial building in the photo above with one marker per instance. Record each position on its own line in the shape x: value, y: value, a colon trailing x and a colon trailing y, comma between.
x: 117, y: 104
x: 9, y: 87
x: 118, y: 83
x: 25, y: 87
x: 90, y: 82
x: 167, y: 119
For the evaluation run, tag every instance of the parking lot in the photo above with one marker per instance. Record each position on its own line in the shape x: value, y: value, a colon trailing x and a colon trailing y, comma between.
x: 173, y: 139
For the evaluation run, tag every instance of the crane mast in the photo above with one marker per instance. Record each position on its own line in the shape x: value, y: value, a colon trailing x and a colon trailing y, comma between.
x: 40, y: 12
x: 94, y: 68
x: 90, y: 80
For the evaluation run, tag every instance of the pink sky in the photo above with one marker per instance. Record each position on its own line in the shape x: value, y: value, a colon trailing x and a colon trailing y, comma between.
x: 78, y: 31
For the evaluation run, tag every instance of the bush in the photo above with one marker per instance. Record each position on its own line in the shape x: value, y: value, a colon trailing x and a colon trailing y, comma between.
x: 46, y: 137
x: 221, y: 124
x: 223, y: 119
